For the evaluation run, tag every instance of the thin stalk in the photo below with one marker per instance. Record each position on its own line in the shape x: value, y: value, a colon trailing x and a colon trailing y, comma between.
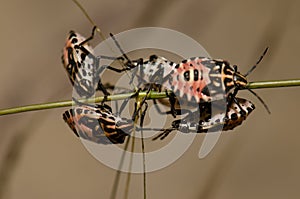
x: 273, y: 84
x: 60, y: 104
x: 128, y: 179
x: 151, y: 95
x: 115, y: 186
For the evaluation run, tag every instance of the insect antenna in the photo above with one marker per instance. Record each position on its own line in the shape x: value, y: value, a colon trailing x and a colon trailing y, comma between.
x: 250, y: 71
x: 89, y: 18
x: 260, y: 99
x: 258, y: 61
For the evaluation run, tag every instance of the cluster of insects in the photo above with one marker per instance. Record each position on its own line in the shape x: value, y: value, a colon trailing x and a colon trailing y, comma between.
x: 197, y: 82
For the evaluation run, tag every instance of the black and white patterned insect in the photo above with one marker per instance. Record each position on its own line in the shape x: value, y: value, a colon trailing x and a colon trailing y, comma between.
x: 222, y: 121
x: 82, y: 66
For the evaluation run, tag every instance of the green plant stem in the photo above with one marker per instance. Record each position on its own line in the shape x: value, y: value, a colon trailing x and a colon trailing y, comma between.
x: 59, y: 104
x: 151, y: 95
x: 273, y: 84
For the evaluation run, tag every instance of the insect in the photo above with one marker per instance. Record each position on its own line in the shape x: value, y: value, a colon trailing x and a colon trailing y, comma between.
x: 82, y: 66
x: 233, y: 117
x: 151, y: 74
x: 96, y: 123
x: 204, y: 79
x: 193, y: 81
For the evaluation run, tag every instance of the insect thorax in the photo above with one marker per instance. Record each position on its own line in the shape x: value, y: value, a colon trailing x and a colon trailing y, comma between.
x: 156, y: 71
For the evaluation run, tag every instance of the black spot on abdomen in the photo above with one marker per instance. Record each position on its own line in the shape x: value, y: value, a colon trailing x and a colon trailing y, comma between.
x: 196, y: 75
x: 234, y: 116
x: 186, y: 76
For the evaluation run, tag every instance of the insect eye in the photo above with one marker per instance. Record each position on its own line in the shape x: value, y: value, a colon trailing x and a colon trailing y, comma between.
x: 74, y: 40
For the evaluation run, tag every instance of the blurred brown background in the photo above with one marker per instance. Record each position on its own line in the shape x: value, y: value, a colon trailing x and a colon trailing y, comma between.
x: 41, y: 158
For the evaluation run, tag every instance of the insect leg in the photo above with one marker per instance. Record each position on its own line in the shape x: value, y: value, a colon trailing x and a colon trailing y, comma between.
x: 232, y: 99
x: 172, y: 99
x: 89, y: 38
x: 141, y: 104
x: 178, y: 111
